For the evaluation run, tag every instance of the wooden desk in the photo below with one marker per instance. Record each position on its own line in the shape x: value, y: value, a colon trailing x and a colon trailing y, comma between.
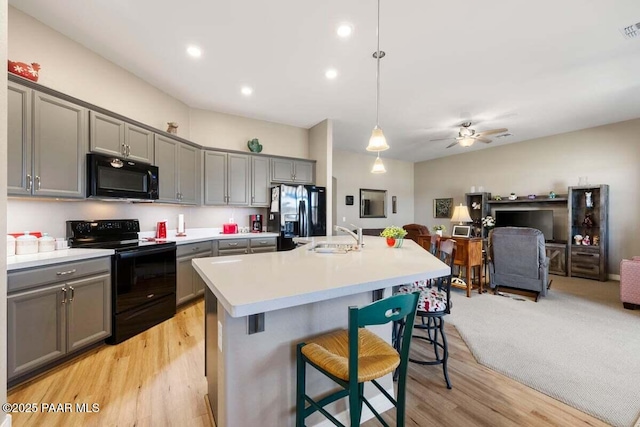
x: 468, y: 255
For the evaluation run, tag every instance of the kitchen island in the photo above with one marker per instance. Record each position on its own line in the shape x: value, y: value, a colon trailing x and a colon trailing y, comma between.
x: 259, y: 307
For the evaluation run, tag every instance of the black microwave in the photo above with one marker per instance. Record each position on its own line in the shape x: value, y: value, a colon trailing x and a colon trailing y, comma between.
x: 113, y: 177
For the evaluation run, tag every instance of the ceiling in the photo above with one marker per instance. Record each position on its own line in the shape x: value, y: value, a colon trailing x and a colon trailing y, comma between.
x: 537, y: 68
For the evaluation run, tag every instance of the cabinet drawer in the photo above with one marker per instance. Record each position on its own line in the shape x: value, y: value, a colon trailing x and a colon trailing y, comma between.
x: 260, y: 243
x: 587, y: 270
x: 232, y: 244
x: 193, y: 248
x: 38, y: 276
x: 228, y: 252
x: 264, y: 249
x: 585, y: 257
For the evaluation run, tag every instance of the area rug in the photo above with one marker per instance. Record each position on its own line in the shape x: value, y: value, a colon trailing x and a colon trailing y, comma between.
x: 577, y: 345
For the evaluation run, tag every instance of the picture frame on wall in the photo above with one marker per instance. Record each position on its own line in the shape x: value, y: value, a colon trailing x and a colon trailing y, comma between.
x: 348, y: 200
x: 461, y: 231
x: 442, y: 208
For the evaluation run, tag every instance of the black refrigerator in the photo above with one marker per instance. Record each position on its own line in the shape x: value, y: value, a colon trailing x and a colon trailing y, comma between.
x: 297, y: 211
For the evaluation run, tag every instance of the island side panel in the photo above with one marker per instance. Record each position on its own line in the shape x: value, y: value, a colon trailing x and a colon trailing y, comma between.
x: 211, y: 349
x: 257, y: 373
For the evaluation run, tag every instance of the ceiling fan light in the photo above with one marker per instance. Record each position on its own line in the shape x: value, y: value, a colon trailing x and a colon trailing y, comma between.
x: 377, y: 142
x: 378, y: 166
x: 466, y: 142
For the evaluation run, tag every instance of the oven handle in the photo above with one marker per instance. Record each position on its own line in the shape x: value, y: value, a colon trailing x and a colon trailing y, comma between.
x: 136, y: 253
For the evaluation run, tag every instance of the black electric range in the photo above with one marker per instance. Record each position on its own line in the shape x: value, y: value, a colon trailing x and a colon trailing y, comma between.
x: 143, y: 274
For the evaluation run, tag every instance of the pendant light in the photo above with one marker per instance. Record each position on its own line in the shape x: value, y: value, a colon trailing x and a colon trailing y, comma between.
x: 378, y: 167
x: 378, y: 142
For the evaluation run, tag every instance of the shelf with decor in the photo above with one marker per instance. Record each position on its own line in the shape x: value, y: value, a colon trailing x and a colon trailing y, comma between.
x: 588, y: 231
x: 478, y: 204
x: 560, y: 198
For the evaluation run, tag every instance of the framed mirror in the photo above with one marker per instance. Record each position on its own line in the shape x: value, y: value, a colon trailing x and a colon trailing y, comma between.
x: 373, y: 203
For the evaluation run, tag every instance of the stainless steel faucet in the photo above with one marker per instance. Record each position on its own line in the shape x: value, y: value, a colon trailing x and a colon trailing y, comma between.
x: 357, y: 237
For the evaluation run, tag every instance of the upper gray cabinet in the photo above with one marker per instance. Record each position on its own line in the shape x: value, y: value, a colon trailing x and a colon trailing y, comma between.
x: 289, y: 170
x: 178, y: 171
x: 260, y: 194
x: 47, y: 140
x: 117, y: 138
x: 226, y: 178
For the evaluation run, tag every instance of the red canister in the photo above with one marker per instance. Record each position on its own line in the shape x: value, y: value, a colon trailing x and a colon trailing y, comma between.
x: 161, y: 230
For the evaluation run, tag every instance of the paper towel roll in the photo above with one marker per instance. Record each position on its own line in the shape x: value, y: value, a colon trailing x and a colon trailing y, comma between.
x: 181, y: 223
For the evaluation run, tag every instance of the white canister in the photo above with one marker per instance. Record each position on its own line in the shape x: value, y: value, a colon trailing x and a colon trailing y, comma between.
x: 61, y: 243
x: 11, y: 245
x: 26, y: 244
x: 46, y: 243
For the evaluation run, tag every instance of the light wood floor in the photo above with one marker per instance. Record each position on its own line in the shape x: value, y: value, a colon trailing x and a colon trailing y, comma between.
x: 157, y: 379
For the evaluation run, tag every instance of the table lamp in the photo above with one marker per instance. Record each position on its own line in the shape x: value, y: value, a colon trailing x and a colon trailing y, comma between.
x: 461, y: 214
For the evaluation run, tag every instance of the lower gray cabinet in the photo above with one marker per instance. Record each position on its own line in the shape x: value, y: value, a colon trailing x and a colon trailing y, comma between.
x: 189, y: 284
x: 261, y: 245
x: 46, y: 322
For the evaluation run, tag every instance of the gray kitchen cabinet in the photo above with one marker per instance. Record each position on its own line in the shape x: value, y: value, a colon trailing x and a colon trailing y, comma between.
x: 228, y: 247
x: 47, y: 140
x: 261, y: 245
x: 49, y: 317
x: 111, y: 136
x: 292, y: 171
x: 19, y: 142
x: 178, y: 170
x: 260, y: 180
x: 226, y: 178
x: 189, y: 284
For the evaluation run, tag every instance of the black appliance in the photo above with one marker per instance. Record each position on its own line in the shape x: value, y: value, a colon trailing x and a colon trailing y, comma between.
x: 112, y: 177
x: 256, y: 223
x: 540, y: 219
x: 143, y: 274
x: 297, y: 211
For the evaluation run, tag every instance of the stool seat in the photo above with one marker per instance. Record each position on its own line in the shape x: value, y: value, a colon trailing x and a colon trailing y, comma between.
x: 431, y: 299
x: 330, y: 352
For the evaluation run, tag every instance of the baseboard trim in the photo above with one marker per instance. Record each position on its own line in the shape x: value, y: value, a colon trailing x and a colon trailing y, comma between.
x: 614, y: 277
x: 7, y: 421
x: 379, y: 402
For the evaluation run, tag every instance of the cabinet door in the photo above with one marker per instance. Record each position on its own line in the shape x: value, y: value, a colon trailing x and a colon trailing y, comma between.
x: 35, y: 329
x: 260, y: 191
x: 281, y: 170
x: 238, y: 184
x: 19, y: 176
x: 215, y: 178
x: 303, y: 172
x: 166, y: 158
x: 198, y: 283
x: 106, y: 135
x: 229, y: 252
x: 139, y: 143
x: 184, y: 280
x: 88, y: 311
x: 60, y: 144
x: 189, y: 174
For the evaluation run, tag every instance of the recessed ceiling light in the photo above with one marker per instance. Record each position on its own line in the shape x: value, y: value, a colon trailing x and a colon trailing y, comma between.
x: 331, y: 74
x: 246, y: 90
x: 194, y: 51
x: 344, y: 30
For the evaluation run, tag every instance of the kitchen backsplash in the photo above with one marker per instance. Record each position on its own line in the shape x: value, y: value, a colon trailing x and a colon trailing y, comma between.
x: 51, y: 216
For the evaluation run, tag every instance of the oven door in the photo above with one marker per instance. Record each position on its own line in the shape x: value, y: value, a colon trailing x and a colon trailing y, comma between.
x: 143, y: 275
x: 111, y: 177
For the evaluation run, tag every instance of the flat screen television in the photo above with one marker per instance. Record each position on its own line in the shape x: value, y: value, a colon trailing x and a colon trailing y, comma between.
x: 540, y: 219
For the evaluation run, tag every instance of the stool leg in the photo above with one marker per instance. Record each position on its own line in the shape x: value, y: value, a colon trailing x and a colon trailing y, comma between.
x: 355, y: 403
x: 445, y: 355
x: 300, y: 387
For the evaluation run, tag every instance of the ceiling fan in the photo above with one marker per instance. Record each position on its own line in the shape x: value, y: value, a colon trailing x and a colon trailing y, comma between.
x: 467, y: 136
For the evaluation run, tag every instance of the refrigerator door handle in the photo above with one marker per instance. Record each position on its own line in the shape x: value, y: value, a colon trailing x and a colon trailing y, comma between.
x: 302, y: 217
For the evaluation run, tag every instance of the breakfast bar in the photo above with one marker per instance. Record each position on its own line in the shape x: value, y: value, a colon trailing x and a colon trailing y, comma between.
x: 259, y: 307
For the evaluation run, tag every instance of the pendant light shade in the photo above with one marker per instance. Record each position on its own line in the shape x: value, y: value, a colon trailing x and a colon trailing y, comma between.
x: 378, y: 167
x: 466, y: 142
x: 378, y: 142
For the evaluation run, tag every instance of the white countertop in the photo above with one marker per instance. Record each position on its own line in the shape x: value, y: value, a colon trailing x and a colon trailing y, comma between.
x: 195, y: 235
x: 40, y: 259
x: 251, y: 284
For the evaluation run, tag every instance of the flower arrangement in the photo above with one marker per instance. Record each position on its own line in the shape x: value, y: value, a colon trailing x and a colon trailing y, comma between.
x: 439, y: 227
x: 488, y: 221
x: 394, y: 232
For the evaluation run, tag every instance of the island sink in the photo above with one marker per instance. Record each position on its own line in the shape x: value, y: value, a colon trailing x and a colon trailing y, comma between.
x: 332, y: 247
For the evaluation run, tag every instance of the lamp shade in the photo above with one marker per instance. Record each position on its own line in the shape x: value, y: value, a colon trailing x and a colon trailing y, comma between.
x: 378, y: 166
x: 461, y: 214
x: 377, y: 142
x: 466, y: 142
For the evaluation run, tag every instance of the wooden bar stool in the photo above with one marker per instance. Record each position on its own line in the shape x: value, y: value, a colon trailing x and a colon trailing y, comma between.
x: 354, y: 356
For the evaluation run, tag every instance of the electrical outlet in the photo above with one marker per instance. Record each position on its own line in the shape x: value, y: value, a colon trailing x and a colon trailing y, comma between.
x: 344, y: 219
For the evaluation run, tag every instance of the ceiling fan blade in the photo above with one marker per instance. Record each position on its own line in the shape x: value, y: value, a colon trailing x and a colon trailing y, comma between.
x: 452, y: 144
x: 482, y: 139
x: 441, y: 139
x: 491, y: 132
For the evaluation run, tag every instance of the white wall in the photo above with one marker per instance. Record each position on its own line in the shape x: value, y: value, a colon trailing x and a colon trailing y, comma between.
x: 212, y: 129
x: 606, y: 155
x: 3, y: 204
x: 353, y: 172
x: 321, y: 150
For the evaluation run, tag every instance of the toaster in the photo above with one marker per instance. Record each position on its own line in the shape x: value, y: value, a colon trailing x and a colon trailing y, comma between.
x: 229, y: 228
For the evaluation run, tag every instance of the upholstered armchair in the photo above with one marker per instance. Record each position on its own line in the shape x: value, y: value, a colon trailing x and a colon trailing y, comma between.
x: 518, y: 260
x: 415, y: 230
x: 630, y: 283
